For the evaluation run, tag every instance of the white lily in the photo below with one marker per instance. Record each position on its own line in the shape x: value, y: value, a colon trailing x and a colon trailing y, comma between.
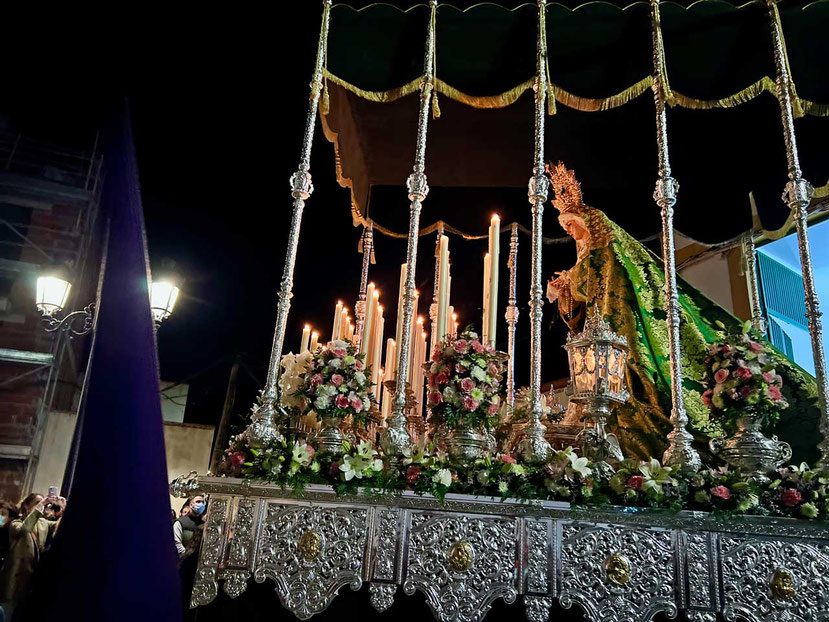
x: 656, y: 476
x: 579, y: 464
x: 444, y: 476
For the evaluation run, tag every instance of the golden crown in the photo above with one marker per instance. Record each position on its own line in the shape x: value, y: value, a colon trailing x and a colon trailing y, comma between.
x: 566, y: 187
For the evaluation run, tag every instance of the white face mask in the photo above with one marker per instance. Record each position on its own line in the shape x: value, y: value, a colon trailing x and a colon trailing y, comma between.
x: 3, y: 520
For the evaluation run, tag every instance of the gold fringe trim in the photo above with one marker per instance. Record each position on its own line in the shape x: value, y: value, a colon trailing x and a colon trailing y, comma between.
x: 577, y: 102
x: 589, y: 104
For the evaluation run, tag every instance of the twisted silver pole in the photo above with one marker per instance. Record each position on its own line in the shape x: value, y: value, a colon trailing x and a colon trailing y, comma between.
x: 263, y: 427
x: 396, y: 438
x: 797, y: 195
x: 750, y: 253
x: 680, y: 450
x: 534, y: 446
x: 360, y: 307
x: 512, y: 317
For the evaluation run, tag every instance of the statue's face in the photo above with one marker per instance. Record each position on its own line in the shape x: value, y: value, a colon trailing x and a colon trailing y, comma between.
x: 574, y: 227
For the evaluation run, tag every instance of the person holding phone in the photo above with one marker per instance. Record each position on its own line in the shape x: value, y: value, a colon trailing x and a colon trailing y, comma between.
x: 27, y: 540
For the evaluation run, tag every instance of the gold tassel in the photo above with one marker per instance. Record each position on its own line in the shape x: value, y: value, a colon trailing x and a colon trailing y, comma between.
x: 325, y: 106
x: 435, y: 105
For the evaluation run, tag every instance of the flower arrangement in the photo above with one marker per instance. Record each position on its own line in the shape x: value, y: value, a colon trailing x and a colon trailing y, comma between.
x: 335, y: 383
x: 464, y: 381
x: 291, y: 379
x: 796, y: 491
x: 741, y: 378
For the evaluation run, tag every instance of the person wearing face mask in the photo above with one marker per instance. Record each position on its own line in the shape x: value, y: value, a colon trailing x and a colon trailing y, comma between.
x: 186, y: 526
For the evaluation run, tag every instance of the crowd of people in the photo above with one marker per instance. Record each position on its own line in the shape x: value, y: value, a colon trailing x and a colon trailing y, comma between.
x: 27, y: 530
x: 26, y: 534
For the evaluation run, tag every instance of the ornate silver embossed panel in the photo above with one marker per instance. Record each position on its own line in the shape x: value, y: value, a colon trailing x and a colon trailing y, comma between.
x: 310, y: 552
x: 617, y: 573
x: 461, y: 562
x: 774, y: 580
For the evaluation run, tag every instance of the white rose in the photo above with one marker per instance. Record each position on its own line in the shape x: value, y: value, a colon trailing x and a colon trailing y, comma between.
x: 335, y: 363
x: 360, y: 377
x: 322, y: 402
x: 477, y: 373
x: 444, y: 476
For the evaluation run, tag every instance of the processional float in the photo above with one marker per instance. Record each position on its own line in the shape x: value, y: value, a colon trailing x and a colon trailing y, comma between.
x: 463, y: 551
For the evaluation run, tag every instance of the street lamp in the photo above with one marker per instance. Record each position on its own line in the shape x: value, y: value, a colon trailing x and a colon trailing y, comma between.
x: 52, y: 293
x: 163, y: 296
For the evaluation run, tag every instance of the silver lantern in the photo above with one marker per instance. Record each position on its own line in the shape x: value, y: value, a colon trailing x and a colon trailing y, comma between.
x: 598, y: 362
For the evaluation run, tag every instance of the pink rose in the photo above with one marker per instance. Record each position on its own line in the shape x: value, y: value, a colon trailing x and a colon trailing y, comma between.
x: 467, y: 384
x: 462, y: 345
x: 477, y: 346
x: 636, y: 481
x: 470, y: 404
x: 726, y: 349
x: 492, y: 409
x: 721, y: 491
x: 743, y: 373
x: 706, y: 398
x: 507, y: 458
x: 359, y: 365
x: 412, y: 474
x: 745, y: 391
x: 339, y: 352
x: 341, y: 401
x: 755, y: 347
x: 316, y: 380
x: 774, y: 393
x: 460, y: 368
x: 721, y: 376
x: 768, y: 377
x: 435, y: 398
x: 356, y: 403
x: 337, y: 379
x: 791, y: 496
x: 311, y: 451
x: 237, y: 458
x: 442, y: 378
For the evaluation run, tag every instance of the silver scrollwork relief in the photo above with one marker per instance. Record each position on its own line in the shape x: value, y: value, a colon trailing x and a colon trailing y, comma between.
x: 774, y: 580
x: 242, y: 537
x: 700, y: 568
x: 310, y: 552
x: 461, y: 563
x: 385, y: 544
x: 539, y: 556
x: 616, y: 573
x: 215, y: 534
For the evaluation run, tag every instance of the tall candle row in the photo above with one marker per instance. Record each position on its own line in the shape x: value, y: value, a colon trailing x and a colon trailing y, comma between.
x: 310, y: 339
x: 444, y: 288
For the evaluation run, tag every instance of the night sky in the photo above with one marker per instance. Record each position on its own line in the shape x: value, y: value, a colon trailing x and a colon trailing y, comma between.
x: 218, y: 102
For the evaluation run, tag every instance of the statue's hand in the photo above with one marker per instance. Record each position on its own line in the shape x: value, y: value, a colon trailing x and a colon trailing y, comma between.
x: 556, y: 287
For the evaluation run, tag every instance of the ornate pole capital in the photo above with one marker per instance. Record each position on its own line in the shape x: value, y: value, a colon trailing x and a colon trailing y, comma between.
x: 360, y: 307
x: 263, y: 427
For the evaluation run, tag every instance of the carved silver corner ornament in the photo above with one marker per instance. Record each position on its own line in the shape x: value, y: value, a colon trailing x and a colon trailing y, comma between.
x: 381, y: 595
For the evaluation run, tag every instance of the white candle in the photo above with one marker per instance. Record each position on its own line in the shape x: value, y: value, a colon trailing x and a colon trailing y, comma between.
x: 368, y: 320
x: 413, y: 335
x: 341, y: 333
x: 315, y: 336
x: 400, y: 302
x: 306, y: 338
x: 391, y: 360
x: 455, y: 323
x: 487, y: 284
x: 377, y: 347
x: 494, y: 253
x: 443, y: 288
x: 338, y: 312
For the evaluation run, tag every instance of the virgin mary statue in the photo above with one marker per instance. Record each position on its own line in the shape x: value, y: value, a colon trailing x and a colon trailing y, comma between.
x: 625, y: 282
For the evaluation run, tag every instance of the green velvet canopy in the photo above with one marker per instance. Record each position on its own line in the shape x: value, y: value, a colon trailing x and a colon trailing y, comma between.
x: 724, y: 127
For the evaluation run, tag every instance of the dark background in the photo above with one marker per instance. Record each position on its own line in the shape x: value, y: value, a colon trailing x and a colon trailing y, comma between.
x: 218, y: 103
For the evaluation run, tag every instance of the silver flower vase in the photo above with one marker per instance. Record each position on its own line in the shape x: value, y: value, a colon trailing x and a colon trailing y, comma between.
x: 330, y: 438
x: 750, y: 451
x: 467, y: 444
